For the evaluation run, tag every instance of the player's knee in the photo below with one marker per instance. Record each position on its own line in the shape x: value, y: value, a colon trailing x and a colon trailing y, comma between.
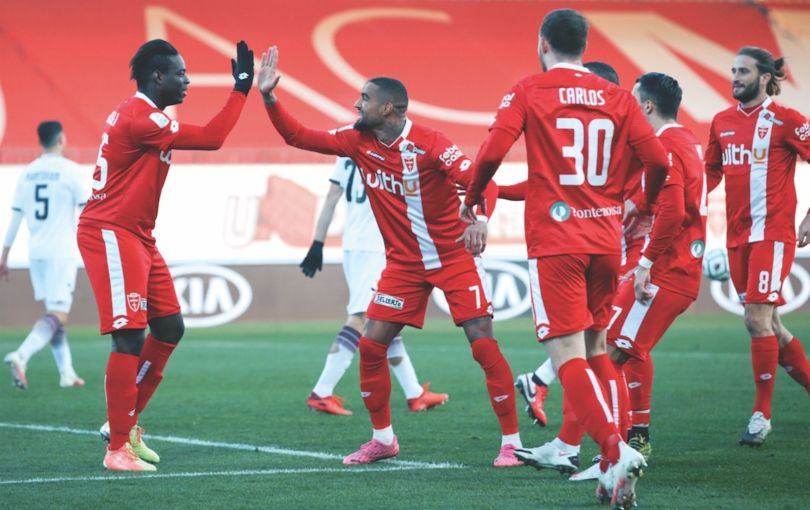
x: 757, y: 324
x: 128, y: 341
x: 61, y: 317
x: 168, y: 329
x: 478, y: 328
x: 617, y: 356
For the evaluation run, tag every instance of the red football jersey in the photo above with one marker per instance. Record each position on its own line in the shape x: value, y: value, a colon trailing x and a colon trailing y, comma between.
x: 577, y: 127
x: 134, y: 158
x: 756, y: 150
x: 411, y: 185
x: 677, y: 249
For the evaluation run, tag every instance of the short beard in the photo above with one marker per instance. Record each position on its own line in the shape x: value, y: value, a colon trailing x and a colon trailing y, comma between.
x: 362, y: 124
x: 750, y: 92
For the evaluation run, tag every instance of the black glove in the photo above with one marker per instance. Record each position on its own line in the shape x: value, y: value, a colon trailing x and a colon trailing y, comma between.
x: 313, y: 261
x: 242, y: 68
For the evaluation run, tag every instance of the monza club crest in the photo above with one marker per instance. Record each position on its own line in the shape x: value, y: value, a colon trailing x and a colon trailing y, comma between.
x: 762, y: 131
x: 135, y: 302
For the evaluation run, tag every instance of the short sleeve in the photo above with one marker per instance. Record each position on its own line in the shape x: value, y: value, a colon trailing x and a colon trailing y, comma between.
x: 18, y: 203
x: 79, y: 185
x: 344, y: 167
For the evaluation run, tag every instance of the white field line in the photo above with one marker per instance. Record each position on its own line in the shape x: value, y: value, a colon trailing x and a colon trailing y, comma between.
x: 199, y: 474
x: 233, y: 446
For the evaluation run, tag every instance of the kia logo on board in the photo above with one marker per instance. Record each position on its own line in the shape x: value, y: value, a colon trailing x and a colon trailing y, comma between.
x: 210, y: 295
x: 795, y: 290
x: 507, y: 286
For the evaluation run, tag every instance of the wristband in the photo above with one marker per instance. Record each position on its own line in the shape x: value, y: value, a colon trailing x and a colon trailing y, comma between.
x: 482, y: 217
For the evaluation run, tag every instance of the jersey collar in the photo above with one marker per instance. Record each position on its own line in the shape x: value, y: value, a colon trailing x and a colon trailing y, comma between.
x: 667, y: 126
x: 406, y: 130
x: 573, y: 67
x: 765, y: 104
x: 144, y: 97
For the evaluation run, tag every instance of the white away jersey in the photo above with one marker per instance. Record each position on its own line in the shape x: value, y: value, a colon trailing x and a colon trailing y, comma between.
x: 361, y: 232
x: 48, y: 192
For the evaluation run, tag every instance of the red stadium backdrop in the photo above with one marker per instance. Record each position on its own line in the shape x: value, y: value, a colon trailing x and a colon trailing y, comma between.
x: 68, y: 60
x: 234, y: 231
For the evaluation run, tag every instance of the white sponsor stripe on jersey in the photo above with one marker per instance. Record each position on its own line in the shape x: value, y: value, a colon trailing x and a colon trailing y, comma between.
x: 116, y: 271
x: 636, y: 316
x: 776, y: 270
x: 538, y: 307
x: 597, y: 390
x: 760, y: 147
x: 412, y: 190
x: 416, y: 215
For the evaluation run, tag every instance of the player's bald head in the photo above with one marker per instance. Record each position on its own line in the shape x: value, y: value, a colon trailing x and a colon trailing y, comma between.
x: 393, y: 91
x: 566, y: 31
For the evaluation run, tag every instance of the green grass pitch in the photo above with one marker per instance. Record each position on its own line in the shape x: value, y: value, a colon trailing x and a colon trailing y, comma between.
x: 240, y: 391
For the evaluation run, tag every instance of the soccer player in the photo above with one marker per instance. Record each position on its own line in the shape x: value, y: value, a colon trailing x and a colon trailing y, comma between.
x: 755, y: 144
x: 48, y: 193
x: 533, y: 386
x: 410, y: 174
x: 130, y: 279
x: 574, y: 123
x: 363, y: 261
x: 667, y: 279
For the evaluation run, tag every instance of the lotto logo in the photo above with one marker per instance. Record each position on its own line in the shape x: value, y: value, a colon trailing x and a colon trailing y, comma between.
x: 765, y: 377
x: 697, y: 248
x: 803, y: 132
x: 773, y: 296
x: 120, y: 322
x: 542, y: 331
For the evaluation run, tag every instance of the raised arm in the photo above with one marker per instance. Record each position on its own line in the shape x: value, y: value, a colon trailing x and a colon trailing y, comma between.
x: 294, y: 133
x: 156, y: 129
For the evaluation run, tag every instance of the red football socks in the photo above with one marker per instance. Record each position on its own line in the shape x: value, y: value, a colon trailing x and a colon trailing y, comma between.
x: 499, y: 382
x: 375, y: 382
x: 121, y: 392
x: 590, y: 407
x: 624, y: 403
x: 794, y: 361
x: 571, y: 432
x: 764, y: 358
x: 154, y: 356
x: 606, y: 373
x: 639, y: 376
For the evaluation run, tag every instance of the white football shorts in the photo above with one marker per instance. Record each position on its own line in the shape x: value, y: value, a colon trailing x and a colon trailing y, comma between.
x: 54, y: 281
x: 362, y: 270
